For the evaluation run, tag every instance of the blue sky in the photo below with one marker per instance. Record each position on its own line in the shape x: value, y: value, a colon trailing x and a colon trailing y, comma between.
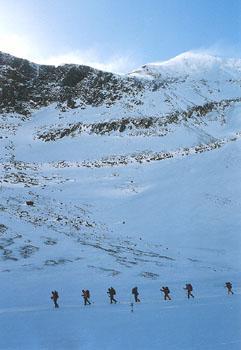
x: 118, y: 35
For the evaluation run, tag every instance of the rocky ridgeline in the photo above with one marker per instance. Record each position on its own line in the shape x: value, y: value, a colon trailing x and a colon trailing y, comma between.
x: 26, y: 86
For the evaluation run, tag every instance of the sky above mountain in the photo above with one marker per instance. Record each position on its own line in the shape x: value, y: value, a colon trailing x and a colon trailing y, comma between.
x: 118, y: 35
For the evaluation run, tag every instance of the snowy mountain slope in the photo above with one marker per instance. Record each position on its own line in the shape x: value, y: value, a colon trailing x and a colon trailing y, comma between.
x: 134, y: 180
x: 195, y: 65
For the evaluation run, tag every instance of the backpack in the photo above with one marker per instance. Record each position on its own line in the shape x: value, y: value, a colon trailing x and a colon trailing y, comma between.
x: 87, y: 293
x: 55, y: 295
x: 189, y: 287
x: 113, y: 291
x: 167, y: 290
x: 134, y: 290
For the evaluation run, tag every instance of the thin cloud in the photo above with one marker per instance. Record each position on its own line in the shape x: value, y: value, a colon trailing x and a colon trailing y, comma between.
x: 117, y: 63
x: 20, y: 46
x: 16, y: 45
x: 221, y: 49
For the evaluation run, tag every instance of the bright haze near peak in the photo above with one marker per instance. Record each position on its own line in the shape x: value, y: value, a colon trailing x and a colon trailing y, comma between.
x: 117, y: 36
x: 194, y: 63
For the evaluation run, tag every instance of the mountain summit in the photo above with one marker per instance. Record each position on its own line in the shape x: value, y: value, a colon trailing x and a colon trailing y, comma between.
x: 26, y: 86
x: 194, y: 64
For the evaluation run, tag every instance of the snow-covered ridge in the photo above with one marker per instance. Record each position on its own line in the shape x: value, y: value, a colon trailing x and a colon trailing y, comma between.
x: 198, y: 65
x: 26, y: 86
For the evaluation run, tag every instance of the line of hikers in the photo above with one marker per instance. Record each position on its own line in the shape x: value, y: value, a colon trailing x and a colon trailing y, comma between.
x: 112, y: 292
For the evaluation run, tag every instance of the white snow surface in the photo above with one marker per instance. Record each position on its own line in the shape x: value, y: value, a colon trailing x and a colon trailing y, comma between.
x: 195, y: 64
x: 145, y: 222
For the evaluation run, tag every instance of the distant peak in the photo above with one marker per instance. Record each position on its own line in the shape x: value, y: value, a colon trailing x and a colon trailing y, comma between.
x: 188, y: 57
x: 191, y: 63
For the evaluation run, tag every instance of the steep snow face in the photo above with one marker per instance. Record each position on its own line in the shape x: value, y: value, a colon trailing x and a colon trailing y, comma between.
x: 194, y: 65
